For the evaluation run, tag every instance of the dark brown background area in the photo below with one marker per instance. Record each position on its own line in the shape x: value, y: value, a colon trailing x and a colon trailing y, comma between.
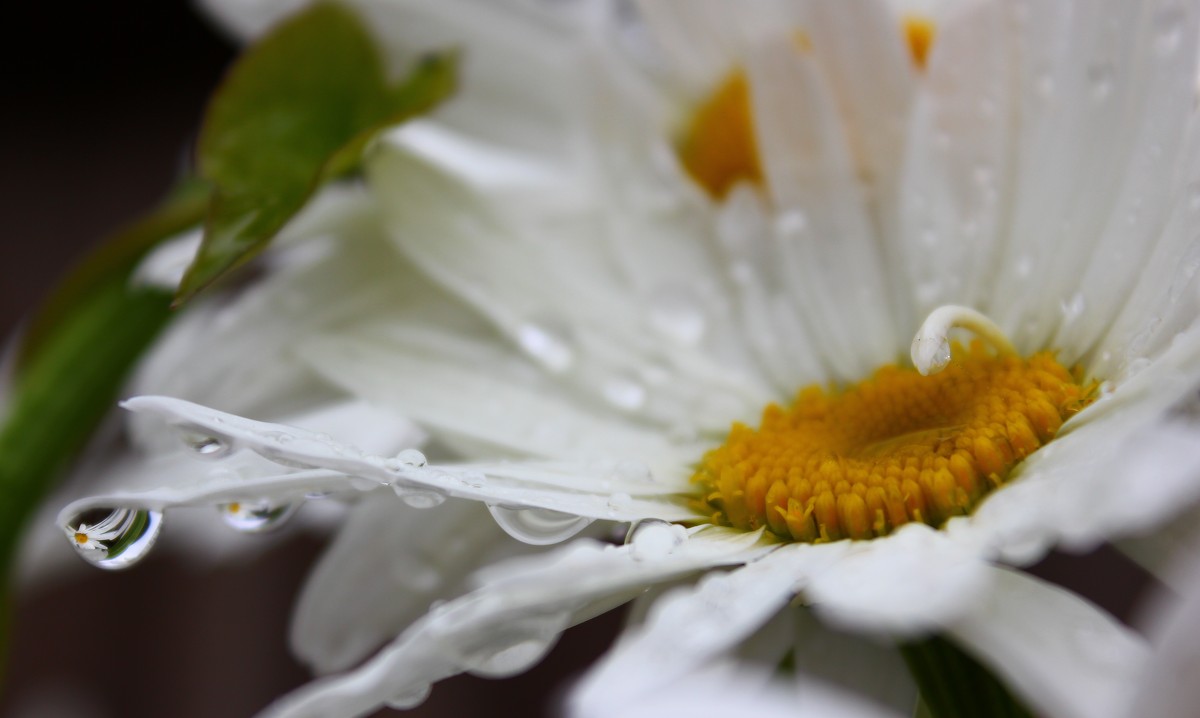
x: 100, y: 103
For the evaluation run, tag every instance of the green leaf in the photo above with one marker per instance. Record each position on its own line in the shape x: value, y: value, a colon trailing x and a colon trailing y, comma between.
x: 80, y: 349
x: 295, y: 111
x: 954, y: 684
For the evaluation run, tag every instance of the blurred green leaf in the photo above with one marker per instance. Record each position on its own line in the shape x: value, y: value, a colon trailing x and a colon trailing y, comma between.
x: 295, y: 111
x: 76, y: 353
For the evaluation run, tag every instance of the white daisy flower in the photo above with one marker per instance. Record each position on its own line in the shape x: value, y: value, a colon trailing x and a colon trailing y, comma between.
x: 624, y: 238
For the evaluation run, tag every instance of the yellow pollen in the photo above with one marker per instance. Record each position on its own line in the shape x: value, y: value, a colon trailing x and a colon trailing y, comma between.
x: 80, y: 537
x: 719, y: 148
x: 895, y: 448
x: 920, y: 32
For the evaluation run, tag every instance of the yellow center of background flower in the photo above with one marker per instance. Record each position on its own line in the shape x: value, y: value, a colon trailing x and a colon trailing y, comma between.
x: 719, y: 148
x: 895, y: 448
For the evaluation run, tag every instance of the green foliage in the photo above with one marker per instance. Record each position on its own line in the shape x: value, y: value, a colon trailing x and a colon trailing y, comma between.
x: 295, y: 111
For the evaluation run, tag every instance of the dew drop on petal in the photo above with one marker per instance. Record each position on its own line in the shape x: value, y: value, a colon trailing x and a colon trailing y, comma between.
x: 526, y: 641
x: 410, y: 698
x: 677, y: 313
x: 548, y: 342
x: 116, y: 538
x: 411, y: 457
x: 256, y: 516
x: 204, y: 444
x: 537, y: 526
x: 651, y: 539
x: 624, y: 393
x: 420, y: 498
x: 1072, y: 310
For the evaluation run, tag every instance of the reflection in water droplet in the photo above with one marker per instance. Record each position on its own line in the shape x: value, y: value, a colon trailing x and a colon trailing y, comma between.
x: 256, y: 516
x: 114, y: 538
x: 624, y: 393
x: 410, y: 698
x: 525, y: 641
x: 677, y: 313
x: 651, y: 539
x: 536, y: 526
x: 548, y: 342
x: 202, y: 443
x: 419, y: 498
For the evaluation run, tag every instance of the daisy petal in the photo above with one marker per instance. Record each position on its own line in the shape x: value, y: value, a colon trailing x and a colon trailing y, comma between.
x: 1060, y: 653
x: 333, y: 465
x: 387, y: 564
x: 688, y: 627
x: 511, y: 621
x: 912, y: 581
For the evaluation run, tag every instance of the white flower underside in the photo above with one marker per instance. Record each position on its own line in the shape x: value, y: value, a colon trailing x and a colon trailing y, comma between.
x: 1008, y: 179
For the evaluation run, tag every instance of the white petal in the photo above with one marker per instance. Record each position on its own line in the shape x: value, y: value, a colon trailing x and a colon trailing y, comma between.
x: 1169, y: 686
x: 912, y: 581
x: 164, y: 266
x: 335, y: 466
x: 509, y: 623
x: 1061, y: 654
x: 861, y: 665
x: 823, y: 233
x: 722, y: 689
x: 388, y: 563
x: 688, y: 627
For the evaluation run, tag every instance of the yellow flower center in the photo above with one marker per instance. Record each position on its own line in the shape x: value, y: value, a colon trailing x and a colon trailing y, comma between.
x: 895, y: 448
x: 719, y: 147
x: 80, y: 537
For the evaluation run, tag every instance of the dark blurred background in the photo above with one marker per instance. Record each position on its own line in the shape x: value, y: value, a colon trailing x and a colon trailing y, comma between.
x: 101, y: 101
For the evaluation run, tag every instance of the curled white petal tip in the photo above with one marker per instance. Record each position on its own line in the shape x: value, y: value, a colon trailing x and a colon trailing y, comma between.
x: 930, y: 349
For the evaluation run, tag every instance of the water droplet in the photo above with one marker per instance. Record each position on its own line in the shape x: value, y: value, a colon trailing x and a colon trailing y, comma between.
x: 651, y: 539
x: 625, y: 393
x: 1024, y: 266
x: 256, y: 516
x: 548, y: 342
x: 526, y: 641
x: 411, y: 457
x: 537, y: 526
x: 114, y: 538
x: 619, y: 500
x: 203, y: 443
x: 410, y: 698
x: 1100, y: 78
x: 677, y: 313
x: 1073, y: 309
x: 790, y: 223
x: 633, y: 471
x: 1169, y: 28
x: 420, y: 499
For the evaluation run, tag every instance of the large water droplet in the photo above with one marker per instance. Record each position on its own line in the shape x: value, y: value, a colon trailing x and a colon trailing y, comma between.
x: 548, y: 342
x: 537, y: 526
x: 651, y: 539
x: 525, y: 641
x: 625, y: 393
x: 677, y: 313
x: 114, y: 538
x: 411, y: 457
x: 790, y: 222
x: 256, y: 516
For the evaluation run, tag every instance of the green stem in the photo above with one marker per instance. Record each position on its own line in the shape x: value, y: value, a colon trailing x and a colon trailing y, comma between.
x: 954, y: 684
